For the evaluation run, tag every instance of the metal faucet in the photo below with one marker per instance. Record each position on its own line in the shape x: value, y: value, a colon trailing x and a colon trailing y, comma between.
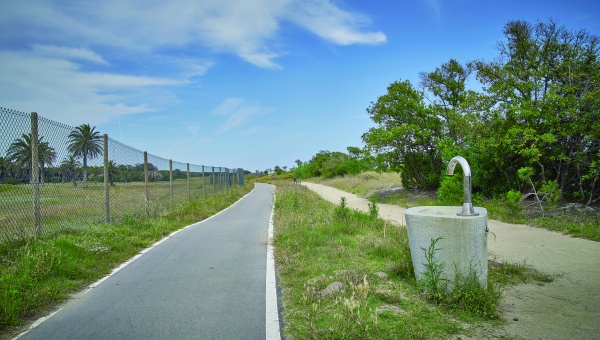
x: 467, y: 207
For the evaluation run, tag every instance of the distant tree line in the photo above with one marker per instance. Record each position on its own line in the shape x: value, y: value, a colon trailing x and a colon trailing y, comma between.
x: 328, y: 164
x: 84, y: 144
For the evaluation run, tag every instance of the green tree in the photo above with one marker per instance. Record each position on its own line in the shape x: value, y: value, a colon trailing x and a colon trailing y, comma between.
x: 545, y: 87
x: 113, y: 171
x: 69, y: 168
x: 19, y: 152
x: 5, y: 168
x: 406, y: 136
x: 86, y: 143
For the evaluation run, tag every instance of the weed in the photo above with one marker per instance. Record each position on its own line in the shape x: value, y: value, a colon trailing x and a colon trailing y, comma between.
x: 342, y: 211
x: 432, y: 282
x: 373, y: 210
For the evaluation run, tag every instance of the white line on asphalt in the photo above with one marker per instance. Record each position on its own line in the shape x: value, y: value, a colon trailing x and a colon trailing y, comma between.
x: 272, y: 313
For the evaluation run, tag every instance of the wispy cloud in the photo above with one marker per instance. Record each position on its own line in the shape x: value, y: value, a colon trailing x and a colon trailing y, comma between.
x: 70, y: 95
x: 94, y: 61
x: 245, y: 28
x: 238, y: 112
x: 330, y: 22
x: 68, y: 53
x: 436, y: 8
x: 256, y: 129
x: 194, y: 128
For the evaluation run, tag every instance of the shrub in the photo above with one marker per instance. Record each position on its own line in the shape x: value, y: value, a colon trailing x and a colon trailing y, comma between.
x: 451, y: 189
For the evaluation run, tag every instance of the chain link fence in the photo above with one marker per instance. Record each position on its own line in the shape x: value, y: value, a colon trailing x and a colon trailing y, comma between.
x: 54, y: 176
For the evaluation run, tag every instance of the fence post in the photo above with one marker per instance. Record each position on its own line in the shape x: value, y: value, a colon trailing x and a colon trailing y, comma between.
x: 147, y: 195
x: 203, y: 184
x: 221, y: 178
x: 188, y: 174
x: 35, y: 175
x: 171, y: 179
x: 213, y: 179
x: 106, y: 182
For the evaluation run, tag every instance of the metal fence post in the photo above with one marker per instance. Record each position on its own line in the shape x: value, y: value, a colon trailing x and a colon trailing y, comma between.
x: 35, y: 175
x: 171, y: 179
x: 203, y: 184
x: 213, y: 179
x: 106, y: 182
x: 189, y: 190
x: 147, y: 194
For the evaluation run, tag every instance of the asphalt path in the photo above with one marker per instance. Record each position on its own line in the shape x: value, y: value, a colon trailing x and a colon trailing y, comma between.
x: 204, y: 282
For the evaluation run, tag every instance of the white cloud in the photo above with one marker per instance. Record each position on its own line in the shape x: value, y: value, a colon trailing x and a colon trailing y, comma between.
x: 248, y: 29
x: 58, y: 88
x: 330, y: 22
x: 92, y: 61
x: 68, y: 53
x: 238, y: 111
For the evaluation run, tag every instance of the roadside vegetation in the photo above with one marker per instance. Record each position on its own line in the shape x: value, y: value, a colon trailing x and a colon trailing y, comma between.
x: 38, y: 273
x: 526, y: 121
x: 386, y: 188
x: 347, y: 274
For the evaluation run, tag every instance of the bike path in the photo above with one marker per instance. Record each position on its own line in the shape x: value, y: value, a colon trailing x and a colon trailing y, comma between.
x: 204, y: 282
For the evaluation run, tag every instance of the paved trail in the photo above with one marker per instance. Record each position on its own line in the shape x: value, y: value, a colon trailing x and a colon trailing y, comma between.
x: 204, y: 282
x: 568, y: 308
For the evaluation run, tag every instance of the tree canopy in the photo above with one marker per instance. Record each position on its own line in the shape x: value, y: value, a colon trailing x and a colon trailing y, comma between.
x: 537, y: 108
x: 85, y: 142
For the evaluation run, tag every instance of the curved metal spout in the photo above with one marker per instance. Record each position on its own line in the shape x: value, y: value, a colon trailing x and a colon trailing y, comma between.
x: 467, y: 207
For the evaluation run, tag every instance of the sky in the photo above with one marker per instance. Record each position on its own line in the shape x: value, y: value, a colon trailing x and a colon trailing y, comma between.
x: 242, y: 83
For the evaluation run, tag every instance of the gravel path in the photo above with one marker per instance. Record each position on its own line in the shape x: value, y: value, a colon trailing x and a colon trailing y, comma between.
x: 567, y: 308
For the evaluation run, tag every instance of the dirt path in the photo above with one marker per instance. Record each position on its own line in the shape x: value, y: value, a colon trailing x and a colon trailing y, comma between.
x: 567, y: 308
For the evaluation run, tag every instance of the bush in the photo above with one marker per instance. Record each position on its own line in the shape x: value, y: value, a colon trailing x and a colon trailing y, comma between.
x: 513, y: 200
x: 451, y: 189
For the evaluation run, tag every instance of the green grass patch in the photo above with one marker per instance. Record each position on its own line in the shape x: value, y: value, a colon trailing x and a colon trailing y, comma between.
x: 345, y: 274
x: 37, y: 273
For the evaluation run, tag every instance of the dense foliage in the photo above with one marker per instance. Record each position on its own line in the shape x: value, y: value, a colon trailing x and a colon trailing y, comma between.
x: 537, y: 109
x: 330, y: 164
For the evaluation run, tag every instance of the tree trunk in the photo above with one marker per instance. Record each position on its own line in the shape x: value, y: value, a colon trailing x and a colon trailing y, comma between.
x: 85, y: 171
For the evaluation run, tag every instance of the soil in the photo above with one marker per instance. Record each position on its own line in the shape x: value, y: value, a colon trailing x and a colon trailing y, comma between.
x: 566, y: 308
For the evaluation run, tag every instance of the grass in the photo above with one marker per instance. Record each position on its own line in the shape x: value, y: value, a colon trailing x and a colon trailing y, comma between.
x: 319, y: 245
x: 61, y: 203
x: 37, y: 273
x: 367, y: 183
x: 376, y: 187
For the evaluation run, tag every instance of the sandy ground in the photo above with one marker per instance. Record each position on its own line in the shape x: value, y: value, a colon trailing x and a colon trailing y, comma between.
x: 567, y: 308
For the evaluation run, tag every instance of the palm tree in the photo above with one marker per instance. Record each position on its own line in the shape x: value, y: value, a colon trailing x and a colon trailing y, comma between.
x: 112, y: 172
x: 20, y: 153
x: 85, y: 142
x: 69, y: 167
x: 4, y: 168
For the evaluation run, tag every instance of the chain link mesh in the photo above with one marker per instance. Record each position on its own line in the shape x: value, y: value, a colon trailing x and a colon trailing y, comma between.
x: 67, y: 194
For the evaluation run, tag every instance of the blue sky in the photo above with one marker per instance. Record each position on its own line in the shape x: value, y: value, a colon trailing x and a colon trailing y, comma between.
x: 241, y: 83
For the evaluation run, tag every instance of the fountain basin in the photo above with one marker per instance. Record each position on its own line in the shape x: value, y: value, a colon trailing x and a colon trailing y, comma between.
x: 462, y: 248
